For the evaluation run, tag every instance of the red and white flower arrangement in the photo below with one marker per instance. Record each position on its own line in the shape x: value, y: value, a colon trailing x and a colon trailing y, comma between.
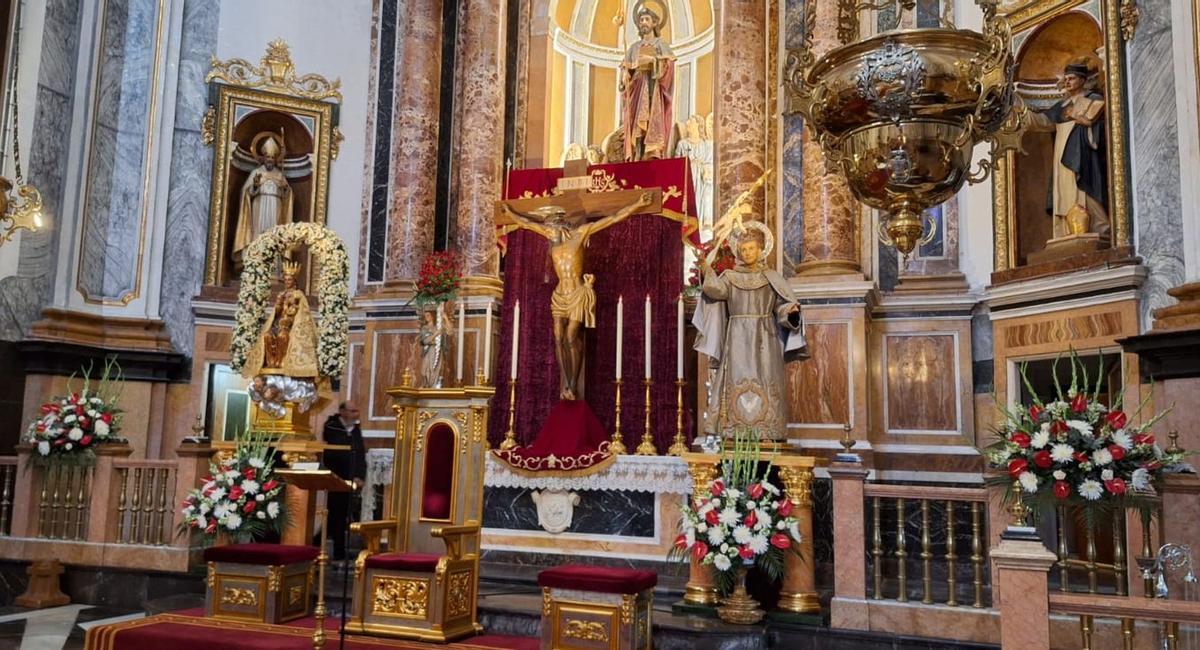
x: 70, y: 427
x: 439, y: 278
x: 240, y: 498
x: 743, y: 520
x: 1076, y: 450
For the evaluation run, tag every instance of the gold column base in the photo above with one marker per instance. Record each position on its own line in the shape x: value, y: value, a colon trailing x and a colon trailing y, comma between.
x: 706, y: 596
x: 293, y: 423
x: 799, y: 603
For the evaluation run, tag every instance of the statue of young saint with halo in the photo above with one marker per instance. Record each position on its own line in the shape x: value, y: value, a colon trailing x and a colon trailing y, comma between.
x: 748, y: 323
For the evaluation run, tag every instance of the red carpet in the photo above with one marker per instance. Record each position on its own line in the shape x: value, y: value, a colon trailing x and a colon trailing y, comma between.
x: 189, y: 630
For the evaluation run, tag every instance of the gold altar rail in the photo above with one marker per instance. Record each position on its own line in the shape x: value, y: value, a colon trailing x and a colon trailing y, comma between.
x: 1158, y: 619
x: 64, y: 501
x: 895, y: 506
x: 8, y: 483
x: 145, y: 501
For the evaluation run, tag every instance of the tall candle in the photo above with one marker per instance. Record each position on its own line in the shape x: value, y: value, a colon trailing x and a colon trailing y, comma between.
x: 647, y: 337
x: 679, y: 337
x: 516, y: 339
x: 487, y: 342
x: 462, y: 318
x: 620, y: 331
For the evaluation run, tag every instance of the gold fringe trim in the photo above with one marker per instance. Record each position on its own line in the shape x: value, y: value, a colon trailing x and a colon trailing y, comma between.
x: 596, y: 468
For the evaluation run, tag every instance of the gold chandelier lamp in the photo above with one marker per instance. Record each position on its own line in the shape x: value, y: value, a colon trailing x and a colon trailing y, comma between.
x: 900, y: 113
x: 22, y: 211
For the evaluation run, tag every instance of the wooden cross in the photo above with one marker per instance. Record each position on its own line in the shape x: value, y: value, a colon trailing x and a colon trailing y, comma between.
x: 577, y: 199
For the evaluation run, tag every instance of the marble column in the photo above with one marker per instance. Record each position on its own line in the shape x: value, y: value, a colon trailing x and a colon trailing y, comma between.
x: 740, y: 106
x: 830, y: 237
x: 798, y: 593
x: 414, y: 136
x: 479, y: 134
x: 849, y: 606
x: 1021, y: 567
x: 701, y: 587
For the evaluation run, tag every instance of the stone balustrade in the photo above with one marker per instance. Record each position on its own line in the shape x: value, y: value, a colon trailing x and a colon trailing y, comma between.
x: 118, y: 512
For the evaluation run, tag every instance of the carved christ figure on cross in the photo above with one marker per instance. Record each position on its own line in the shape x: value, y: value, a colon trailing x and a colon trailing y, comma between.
x: 573, y: 304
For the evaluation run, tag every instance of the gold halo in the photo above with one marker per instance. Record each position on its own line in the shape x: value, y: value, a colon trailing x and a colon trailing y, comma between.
x: 664, y: 14
x: 768, y: 238
x: 254, y: 144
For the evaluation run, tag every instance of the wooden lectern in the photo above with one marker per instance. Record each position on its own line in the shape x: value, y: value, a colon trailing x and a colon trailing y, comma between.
x: 320, y: 480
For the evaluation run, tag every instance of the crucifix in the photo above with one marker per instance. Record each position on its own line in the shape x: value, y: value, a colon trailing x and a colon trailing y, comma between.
x: 567, y: 219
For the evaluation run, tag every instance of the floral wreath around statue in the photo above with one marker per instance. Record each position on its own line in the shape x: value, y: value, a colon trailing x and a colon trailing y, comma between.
x: 332, y: 288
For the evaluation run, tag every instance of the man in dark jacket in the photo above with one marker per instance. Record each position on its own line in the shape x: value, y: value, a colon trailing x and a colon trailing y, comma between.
x: 342, y: 429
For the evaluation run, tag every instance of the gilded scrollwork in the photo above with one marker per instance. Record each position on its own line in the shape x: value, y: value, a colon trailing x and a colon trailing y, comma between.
x: 547, y: 602
x: 212, y: 575
x: 574, y: 628
x: 275, y: 73
x: 458, y: 596
x: 295, y: 594
x: 239, y: 597
x: 208, y: 126
x: 626, y: 609
x: 274, y: 578
x: 403, y: 597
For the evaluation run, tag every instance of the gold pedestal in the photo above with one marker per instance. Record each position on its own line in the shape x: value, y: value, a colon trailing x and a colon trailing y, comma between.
x: 1067, y: 246
x: 293, y: 423
x: 739, y: 608
x: 647, y: 448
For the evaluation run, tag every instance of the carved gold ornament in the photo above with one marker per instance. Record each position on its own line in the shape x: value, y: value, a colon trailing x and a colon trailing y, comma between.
x: 1130, y: 17
x: 275, y: 73
x: 458, y: 596
x: 274, y: 578
x: 295, y: 592
x: 239, y: 597
x: 403, y: 597
x: 585, y: 630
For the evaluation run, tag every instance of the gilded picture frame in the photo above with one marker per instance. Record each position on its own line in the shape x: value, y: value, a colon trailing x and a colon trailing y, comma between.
x: 268, y: 94
x: 1118, y: 20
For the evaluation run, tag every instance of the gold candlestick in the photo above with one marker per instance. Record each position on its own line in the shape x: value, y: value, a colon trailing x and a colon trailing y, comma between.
x: 617, y: 446
x: 322, y: 558
x: 510, y: 436
x: 647, y: 448
x: 678, y: 446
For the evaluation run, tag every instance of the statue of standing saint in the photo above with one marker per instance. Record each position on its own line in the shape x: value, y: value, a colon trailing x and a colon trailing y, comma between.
x: 573, y: 304
x: 748, y: 323
x: 647, y: 84
x: 1077, y: 198
x: 266, y: 197
x: 434, y: 338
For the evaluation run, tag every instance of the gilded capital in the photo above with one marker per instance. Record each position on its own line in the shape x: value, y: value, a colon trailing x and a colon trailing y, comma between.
x: 797, y: 483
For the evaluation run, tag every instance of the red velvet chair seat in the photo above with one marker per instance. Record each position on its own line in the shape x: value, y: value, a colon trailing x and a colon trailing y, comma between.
x: 606, y: 580
x: 422, y: 562
x: 273, y: 554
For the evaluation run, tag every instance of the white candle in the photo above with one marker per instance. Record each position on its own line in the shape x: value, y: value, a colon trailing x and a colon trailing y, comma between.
x: 516, y: 333
x: 487, y: 342
x: 647, y: 337
x: 462, y: 317
x: 620, y: 331
x: 679, y: 337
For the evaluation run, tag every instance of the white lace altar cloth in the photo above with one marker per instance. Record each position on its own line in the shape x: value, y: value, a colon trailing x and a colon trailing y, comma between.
x: 655, y: 474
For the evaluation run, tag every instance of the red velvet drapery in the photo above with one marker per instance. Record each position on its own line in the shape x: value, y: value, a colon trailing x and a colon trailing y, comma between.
x: 640, y: 257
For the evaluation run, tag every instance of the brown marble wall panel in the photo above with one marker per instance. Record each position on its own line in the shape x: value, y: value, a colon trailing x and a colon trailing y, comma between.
x: 414, y: 136
x: 358, y: 376
x: 819, y: 388
x: 1063, y: 329
x: 740, y: 111
x: 479, y: 141
x: 390, y: 350
x: 921, y: 385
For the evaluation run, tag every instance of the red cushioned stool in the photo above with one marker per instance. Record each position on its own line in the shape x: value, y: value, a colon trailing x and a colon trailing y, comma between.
x: 267, y: 583
x: 596, y: 607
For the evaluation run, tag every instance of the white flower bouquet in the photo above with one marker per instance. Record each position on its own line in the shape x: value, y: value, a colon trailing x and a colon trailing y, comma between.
x: 70, y: 427
x: 743, y: 519
x: 1075, y: 450
x: 239, y: 498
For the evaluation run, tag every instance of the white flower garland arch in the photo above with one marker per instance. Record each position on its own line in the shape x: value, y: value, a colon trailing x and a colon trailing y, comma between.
x: 332, y: 288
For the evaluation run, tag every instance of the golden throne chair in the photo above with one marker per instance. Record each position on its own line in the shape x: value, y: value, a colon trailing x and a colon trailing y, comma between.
x: 417, y: 576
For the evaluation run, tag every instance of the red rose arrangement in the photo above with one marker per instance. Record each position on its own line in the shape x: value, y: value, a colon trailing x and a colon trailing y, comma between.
x: 440, y: 277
